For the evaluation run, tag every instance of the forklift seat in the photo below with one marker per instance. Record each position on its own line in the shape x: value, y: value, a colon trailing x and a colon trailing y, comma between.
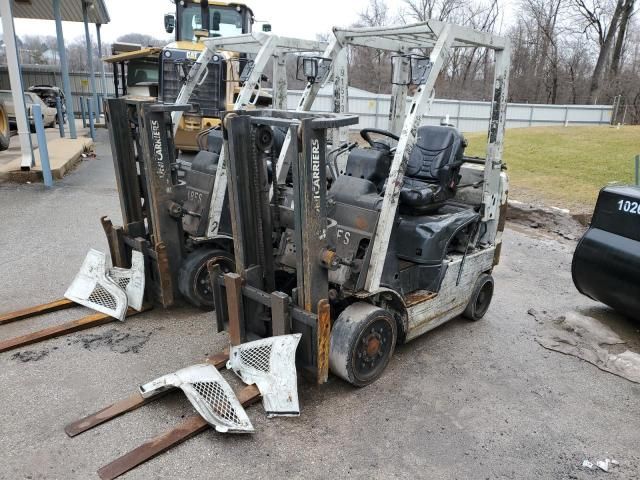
x: 433, y: 170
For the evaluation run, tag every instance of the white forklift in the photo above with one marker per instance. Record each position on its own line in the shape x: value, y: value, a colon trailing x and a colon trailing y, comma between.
x: 397, y: 237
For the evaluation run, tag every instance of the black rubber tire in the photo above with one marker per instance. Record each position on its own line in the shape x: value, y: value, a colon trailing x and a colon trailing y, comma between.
x: 480, y: 298
x: 5, y: 132
x: 363, y: 338
x: 193, y: 277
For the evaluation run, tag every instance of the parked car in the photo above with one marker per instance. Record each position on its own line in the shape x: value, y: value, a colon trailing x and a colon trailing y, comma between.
x: 48, y: 94
x: 30, y: 98
x: 5, y: 132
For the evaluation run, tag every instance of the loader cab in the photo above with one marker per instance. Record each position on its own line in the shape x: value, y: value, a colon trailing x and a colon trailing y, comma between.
x: 192, y: 22
x: 195, y: 20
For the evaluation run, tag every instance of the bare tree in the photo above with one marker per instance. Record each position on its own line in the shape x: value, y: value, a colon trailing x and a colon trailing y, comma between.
x: 603, y: 21
x: 422, y: 10
x: 370, y: 69
x: 625, y: 18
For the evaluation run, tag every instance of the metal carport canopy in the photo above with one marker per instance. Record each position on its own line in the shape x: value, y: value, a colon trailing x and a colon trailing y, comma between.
x: 71, y: 10
x: 86, y: 11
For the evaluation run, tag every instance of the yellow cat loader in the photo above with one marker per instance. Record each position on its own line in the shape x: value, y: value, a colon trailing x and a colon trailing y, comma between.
x: 162, y: 72
x: 193, y: 21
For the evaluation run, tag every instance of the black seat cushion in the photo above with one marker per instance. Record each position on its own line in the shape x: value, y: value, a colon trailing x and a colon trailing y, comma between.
x: 359, y: 192
x: 416, y: 193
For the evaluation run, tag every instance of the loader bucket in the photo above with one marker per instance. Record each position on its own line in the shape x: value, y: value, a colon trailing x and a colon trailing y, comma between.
x: 606, y: 262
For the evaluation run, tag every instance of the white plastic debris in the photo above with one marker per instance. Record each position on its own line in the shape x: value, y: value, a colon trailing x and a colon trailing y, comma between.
x: 587, y: 464
x: 92, y: 288
x: 270, y: 363
x: 131, y: 280
x: 210, y: 395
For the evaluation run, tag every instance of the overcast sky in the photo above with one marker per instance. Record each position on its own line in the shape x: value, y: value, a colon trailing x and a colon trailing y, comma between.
x: 296, y: 18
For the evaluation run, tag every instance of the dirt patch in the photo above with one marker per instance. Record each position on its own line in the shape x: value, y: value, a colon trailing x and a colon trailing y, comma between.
x: 606, y: 341
x: 30, y: 355
x: 115, y: 340
x: 556, y: 222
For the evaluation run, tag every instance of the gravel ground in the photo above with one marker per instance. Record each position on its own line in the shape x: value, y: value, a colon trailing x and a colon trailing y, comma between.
x: 468, y: 400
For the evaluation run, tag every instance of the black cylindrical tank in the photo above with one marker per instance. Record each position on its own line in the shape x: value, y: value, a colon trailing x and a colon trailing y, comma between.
x: 606, y: 263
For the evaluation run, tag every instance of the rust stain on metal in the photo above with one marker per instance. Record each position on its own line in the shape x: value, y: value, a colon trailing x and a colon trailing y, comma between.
x: 361, y: 223
x: 219, y: 360
x: 37, y: 310
x: 418, y: 296
x: 58, y: 330
x: 233, y: 284
x: 324, y: 336
x: 187, y: 429
x: 164, y: 271
x: 106, y: 414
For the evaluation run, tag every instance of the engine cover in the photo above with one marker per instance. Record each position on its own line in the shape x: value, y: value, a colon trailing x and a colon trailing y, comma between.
x: 606, y: 263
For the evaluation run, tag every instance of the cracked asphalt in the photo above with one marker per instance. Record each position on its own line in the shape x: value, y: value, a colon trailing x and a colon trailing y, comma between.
x: 465, y: 401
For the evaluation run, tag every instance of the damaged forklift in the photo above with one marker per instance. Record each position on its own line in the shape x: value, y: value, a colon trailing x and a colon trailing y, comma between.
x: 389, y: 242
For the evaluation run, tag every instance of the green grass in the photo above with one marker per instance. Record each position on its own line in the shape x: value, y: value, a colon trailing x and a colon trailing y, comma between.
x: 565, y: 166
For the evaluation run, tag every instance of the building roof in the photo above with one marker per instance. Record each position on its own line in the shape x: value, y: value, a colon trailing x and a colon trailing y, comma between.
x: 71, y: 10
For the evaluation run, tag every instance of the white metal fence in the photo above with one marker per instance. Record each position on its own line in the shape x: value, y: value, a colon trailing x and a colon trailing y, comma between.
x: 468, y: 116
x: 373, y: 109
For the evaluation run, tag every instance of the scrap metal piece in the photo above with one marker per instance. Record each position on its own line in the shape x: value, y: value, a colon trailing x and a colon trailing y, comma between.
x: 270, y: 364
x: 210, y: 395
x: 92, y: 288
x: 131, y: 280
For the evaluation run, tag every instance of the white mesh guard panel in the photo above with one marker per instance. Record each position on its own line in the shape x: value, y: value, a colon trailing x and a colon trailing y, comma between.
x: 92, y: 288
x: 270, y: 363
x: 131, y: 280
x: 210, y: 395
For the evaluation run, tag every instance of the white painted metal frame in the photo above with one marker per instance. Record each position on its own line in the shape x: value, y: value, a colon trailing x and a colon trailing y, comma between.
x: 17, y: 88
x: 441, y: 38
x: 265, y: 47
x: 333, y: 52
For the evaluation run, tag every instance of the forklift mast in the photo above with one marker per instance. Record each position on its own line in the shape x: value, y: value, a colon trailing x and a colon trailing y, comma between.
x: 249, y: 309
x: 150, y: 193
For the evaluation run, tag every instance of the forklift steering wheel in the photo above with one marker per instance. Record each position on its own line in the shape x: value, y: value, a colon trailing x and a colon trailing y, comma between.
x: 365, y: 133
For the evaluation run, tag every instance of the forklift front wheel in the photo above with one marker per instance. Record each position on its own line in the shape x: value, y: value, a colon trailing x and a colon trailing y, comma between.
x: 193, y: 279
x: 362, y: 341
x: 480, y: 298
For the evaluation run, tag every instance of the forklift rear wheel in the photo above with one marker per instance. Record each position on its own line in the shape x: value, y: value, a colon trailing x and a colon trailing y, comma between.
x: 362, y: 341
x: 193, y: 279
x: 480, y: 298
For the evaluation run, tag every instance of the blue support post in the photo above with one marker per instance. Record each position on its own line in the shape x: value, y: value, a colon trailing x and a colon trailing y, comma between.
x: 36, y: 111
x: 92, y: 73
x: 60, y: 115
x: 64, y: 70
x: 92, y: 129
x: 82, y: 112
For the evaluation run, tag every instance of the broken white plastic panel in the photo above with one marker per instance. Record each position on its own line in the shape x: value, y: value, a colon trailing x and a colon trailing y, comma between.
x: 92, y: 288
x: 210, y: 395
x: 131, y: 280
x: 270, y: 364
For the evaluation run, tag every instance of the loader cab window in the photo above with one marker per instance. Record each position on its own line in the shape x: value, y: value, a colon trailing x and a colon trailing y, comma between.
x: 220, y: 21
x: 142, y: 72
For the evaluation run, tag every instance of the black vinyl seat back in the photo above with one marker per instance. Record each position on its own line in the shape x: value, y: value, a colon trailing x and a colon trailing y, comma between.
x: 371, y: 164
x: 433, y: 170
x: 437, y: 156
